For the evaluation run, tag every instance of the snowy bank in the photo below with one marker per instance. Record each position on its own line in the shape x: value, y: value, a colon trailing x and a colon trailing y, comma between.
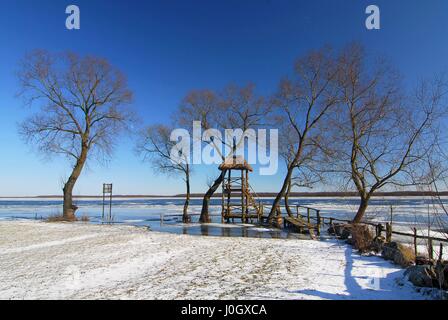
x: 41, y: 260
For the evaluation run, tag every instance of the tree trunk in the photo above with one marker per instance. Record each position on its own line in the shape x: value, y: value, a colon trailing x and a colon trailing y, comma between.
x: 278, y: 198
x: 68, y: 208
x: 361, y: 209
x: 186, y: 217
x: 275, y: 205
x: 206, y: 200
x: 288, y: 191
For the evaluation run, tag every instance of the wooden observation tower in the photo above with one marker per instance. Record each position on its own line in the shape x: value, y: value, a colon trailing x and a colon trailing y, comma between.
x: 237, y: 199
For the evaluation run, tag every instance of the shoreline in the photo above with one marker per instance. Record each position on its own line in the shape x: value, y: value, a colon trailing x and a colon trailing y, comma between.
x: 405, y: 194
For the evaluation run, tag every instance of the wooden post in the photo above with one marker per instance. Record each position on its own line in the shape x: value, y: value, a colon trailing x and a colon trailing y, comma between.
x: 246, y: 187
x: 107, y: 190
x: 391, y: 215
x: 308, y: 214
x: 228, y: 187
x: 430, y: 249
x: 104, y: 200
x: 297, y: 209
x: 223, y: 200
x: 243, y: 205
x: 379, y: 229
x: 415, y: 241
x: 318, y: 222
x: 110, y: 205
x: 441, y: 252
x: 388, y: 232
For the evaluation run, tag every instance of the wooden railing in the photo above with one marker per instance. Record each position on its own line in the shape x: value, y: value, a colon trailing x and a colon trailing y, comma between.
x: 380, y: 227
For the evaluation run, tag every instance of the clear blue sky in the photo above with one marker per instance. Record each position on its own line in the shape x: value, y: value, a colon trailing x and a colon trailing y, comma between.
x: 167, y: 48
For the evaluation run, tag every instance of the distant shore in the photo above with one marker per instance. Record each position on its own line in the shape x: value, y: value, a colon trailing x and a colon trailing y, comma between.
x: 259, y: 194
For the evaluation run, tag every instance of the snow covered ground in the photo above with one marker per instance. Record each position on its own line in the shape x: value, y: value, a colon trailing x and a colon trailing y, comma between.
x: 41, y: 260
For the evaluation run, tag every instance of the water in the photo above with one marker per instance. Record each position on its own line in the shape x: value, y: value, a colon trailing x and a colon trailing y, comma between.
x: 142, y: 212
x: 147, y: 212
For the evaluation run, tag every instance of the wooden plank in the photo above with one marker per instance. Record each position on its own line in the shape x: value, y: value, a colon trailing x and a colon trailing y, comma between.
x: 300, y: 225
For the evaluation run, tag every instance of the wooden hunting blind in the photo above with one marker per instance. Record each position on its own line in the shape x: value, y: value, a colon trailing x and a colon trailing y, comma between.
x: 237, y: 199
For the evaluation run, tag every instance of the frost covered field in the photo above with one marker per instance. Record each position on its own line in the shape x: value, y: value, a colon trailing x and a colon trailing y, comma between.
x: 41, y: 260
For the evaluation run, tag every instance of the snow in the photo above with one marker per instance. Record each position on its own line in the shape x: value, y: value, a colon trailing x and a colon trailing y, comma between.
x: 40, y: 260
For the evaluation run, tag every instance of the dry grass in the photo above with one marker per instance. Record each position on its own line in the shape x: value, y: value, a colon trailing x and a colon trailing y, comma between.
x: 406, y: 257
x: 84, y: 218
x: 61, y: 218
x: 362, y: 238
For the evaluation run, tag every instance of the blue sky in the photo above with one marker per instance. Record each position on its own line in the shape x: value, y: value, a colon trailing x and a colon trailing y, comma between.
x: 167, y: 48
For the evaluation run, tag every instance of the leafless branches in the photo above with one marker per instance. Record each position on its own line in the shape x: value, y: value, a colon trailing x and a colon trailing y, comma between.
x: 232, y: 108
x: 304, y: 103
x: 381, y: 136
x: 81, y: 101
x: 156, y: 146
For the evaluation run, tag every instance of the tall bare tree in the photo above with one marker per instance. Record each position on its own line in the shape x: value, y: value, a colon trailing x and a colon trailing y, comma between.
x: 306, y: 177
x: 233, y: 108
x: 380, y: 135
x: 434, y: 177
x: 201, y: 105
x: 81, y: 104
x: 305, y: 101
x: 166, y: 157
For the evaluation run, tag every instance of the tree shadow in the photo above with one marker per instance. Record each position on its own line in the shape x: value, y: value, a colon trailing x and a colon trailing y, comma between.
x: 353, y: 289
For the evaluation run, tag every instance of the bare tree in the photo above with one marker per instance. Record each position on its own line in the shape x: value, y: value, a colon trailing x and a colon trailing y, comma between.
x: 307, y: 176
x: 201, y: 105
x: 438, y: 182
x: 166, y: 157
x: 305, y: 101
x: 234, y: 107
x: 81, y: 102
x: 437, y: 160
x: 380, y: 135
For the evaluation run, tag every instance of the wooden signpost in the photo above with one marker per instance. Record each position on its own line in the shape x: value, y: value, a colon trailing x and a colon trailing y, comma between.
x: 107, y: 193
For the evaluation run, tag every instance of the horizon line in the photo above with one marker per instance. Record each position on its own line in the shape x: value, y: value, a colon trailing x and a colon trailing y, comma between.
x: 260, y: 194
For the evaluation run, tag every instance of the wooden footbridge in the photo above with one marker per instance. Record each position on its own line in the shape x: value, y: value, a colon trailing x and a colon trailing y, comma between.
x: 300, y: 225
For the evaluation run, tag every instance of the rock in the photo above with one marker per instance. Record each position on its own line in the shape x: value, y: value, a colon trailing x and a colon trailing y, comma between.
x: 332, y: 230
x: 362, y: 237
x: 422, y: 260
x: 400, y: 254
x: 378, y: 244
x: 389, y: 250
x: 441, y: 271
x: 421, y: 276
x: 346, y: 233
x: 429, y: 275
x: 340, y: 230
x: 335, y: 229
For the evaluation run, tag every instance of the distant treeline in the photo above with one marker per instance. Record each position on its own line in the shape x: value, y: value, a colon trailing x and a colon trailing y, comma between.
x: 264, y: 194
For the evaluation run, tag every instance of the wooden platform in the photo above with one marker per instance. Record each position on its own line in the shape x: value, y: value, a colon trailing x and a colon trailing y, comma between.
x: 238, y: 215
x: 300, y: 225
